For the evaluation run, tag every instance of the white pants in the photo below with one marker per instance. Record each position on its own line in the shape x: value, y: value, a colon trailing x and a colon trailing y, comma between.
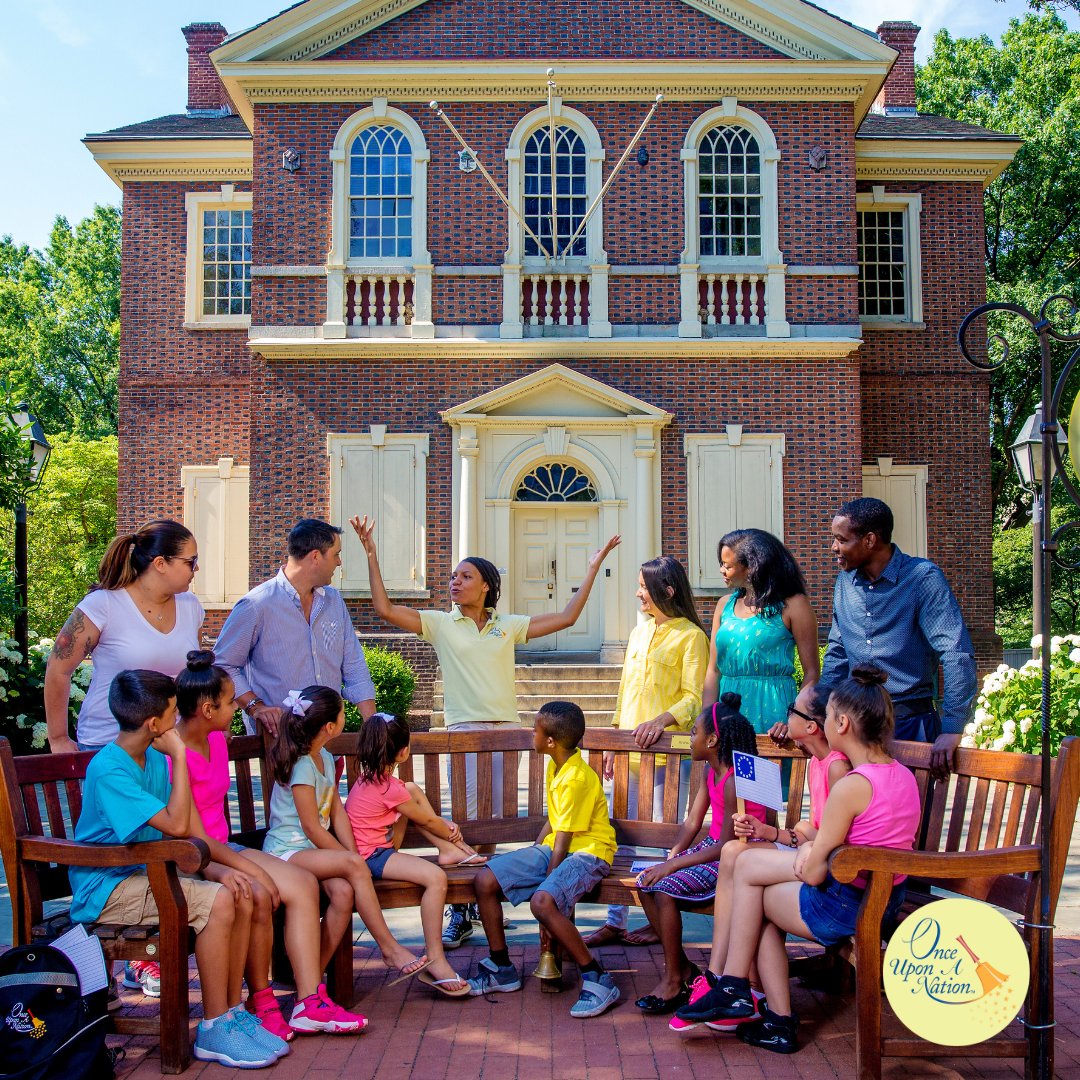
x: 470, y: 769
x: 618, y: 915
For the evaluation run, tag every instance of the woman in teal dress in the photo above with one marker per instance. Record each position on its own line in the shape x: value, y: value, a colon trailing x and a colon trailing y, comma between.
x: 756, y: 631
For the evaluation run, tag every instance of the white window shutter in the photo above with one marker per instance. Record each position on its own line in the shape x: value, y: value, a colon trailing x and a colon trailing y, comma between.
x: 216, y: 511
x: 397, y: 516
x: 753, y: 487
x: 353, y: 467
x: 236, y: 535
x: 717, y: 498
x: 208, y: 526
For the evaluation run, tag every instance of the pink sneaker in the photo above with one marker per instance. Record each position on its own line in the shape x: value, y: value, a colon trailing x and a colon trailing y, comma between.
x: 319, y: 1013
x: 264, y: 1007
x: 698, y: 988
x: 727, y: 1026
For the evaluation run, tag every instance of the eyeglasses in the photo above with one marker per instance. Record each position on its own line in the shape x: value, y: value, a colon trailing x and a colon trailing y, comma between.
x: 193, y: 562
x: 809, y: 719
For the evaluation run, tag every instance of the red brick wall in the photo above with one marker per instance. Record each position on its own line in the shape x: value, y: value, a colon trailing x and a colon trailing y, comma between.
x: 205, y: 88
x: 899, y: 87
x: 551, y: 30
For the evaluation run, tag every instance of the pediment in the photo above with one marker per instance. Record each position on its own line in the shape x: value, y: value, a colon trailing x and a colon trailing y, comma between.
x: 741, y: 29
x: 557, y: 391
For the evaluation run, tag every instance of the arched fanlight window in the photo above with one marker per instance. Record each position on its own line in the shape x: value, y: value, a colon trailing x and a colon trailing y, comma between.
x: 571, y: 190
x: 729, y: 193
x: 380, y: 194
x: 556, y: 483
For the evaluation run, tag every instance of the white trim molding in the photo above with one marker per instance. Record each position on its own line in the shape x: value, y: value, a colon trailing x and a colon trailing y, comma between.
x: 770, y: 265
x: 195, y: 202
x: 911, y: 207
x: 338, y: 261
x: 168, y: 160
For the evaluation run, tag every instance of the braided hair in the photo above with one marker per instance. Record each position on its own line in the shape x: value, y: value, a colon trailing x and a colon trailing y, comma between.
x: 733, y: 731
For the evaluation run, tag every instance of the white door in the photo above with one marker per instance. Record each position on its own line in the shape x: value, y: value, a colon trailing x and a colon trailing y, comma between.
x: 552, y: 545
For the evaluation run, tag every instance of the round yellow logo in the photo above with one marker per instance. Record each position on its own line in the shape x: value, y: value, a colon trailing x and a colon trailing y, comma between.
x: 956, y: 972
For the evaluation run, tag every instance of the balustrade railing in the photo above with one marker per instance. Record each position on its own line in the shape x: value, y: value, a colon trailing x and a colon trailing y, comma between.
x: 732, y: 299
x: 375, y: 300
x: 555, y: 299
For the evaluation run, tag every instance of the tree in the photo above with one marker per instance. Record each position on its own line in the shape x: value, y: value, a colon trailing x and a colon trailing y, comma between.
x: 60, y: 323
x: 1028, y: 86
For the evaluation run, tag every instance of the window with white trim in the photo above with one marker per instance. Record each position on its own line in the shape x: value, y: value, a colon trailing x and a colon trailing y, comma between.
x: 734, y: 481
x: 729, y: 193
x: 380, y: 194
x: 383, y: 476
x: 216, y: 512
x: 903, y: 488
x: 565, y: 211
x: 890, y: 262
x: 218, y: 257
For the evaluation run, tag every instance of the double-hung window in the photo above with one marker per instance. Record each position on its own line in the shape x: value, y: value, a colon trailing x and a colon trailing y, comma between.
x: 218, y: 258
x: 890, y: 265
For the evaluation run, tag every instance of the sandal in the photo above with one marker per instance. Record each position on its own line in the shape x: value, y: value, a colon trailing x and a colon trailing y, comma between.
x: 443, y: 985
x: 414, y: 967
x: 643, y: 935
x: 475, y: 859
x: 651, y: 1005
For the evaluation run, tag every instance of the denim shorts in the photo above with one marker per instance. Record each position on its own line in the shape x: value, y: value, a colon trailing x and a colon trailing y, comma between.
x: 831, y: 909
x: 238, y: 848
x: 525, y: 871
x: 376, y: 861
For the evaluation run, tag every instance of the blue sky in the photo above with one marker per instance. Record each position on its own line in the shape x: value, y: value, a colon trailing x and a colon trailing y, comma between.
x: 69, y: 67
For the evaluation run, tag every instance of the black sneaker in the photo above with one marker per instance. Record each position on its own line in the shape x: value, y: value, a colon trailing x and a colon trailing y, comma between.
x: 728, y: 999
x: 458, y: 928
x: 771, y: 1032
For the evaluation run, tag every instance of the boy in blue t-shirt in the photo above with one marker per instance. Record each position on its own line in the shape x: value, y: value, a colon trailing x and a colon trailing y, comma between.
x: 127, y: 799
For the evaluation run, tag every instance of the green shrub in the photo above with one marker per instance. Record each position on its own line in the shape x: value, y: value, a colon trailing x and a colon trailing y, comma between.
x: 22, y: 701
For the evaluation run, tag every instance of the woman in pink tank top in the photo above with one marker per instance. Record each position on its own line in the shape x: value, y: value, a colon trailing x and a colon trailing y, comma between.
x: 876, y: 804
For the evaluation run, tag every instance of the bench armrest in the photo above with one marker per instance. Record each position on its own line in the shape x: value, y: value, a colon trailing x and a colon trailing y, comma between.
x: 189, y: 855
x: 850, y: 860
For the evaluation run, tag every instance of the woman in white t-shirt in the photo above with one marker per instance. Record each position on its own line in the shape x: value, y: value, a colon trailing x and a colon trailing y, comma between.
x: 139, y: 615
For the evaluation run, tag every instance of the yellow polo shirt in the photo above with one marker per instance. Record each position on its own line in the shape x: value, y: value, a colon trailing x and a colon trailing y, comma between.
x: 576, y: 804
x: 477, y: 665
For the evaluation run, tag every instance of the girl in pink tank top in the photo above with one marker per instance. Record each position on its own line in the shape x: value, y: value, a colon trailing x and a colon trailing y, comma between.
x: 878, y: 804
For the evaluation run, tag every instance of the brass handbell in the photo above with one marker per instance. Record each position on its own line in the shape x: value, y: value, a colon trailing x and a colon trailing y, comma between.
x: 548, y: 967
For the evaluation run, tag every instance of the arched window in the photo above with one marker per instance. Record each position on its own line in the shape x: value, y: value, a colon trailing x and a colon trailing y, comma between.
x: 380, y: 194
x: 555, y: 221
x: 556, y: 483
x: 729, y: 193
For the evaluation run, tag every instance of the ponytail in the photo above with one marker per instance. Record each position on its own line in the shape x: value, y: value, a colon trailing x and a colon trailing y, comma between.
x: 307, y: 712
x: 381, y: 739
x: 128, y: 557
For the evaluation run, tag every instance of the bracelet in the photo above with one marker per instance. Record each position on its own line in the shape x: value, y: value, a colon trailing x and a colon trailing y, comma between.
x: 794, y: 838
x: 251, y: 705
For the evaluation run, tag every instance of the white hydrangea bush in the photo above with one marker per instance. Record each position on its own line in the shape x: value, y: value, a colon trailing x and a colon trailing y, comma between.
x: 22, y: 705
x: 1008, y: 709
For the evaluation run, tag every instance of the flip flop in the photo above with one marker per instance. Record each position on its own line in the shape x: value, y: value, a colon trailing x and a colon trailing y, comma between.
x: 414, y: 967
x: 443, y: 985
x: 475, y: 859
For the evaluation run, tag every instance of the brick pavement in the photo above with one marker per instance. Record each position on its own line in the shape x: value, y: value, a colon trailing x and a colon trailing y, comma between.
x: 530, y: 1035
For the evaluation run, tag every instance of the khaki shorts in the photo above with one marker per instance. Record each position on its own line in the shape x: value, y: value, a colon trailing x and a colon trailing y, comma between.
x: 132, y: 903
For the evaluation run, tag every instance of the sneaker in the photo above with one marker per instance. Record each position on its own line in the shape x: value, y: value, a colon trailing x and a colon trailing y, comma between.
x: 319, y: 1013
x: 726, y: 1025
x: 491, y: 978
x: 270, y: 1042
x: 598, y: 994
x: 698, y: 989
x: 264, y: 1007
x: 772, y: 1032
x: 112, y: 999
x: 727, y: 998
x: 227, y: 1042
x: 143, y: 975
x: 457, y: 929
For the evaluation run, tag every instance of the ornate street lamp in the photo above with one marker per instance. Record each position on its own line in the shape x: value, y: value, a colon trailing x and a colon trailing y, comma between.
x: 31, y: 430
x: 1041, y: 462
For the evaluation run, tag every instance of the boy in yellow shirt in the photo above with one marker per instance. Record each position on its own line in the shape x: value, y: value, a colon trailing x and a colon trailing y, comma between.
x: 572, y: 853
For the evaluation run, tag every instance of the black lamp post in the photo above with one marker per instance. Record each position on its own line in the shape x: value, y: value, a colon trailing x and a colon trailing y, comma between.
x: 30, y: 429
x: 1037, y: 460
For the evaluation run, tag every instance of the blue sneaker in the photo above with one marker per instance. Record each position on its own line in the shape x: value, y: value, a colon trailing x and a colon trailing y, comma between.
x: 598, y: 994
x: 253, y: 1027
x: 228, y: 1043
x: 490, y: 978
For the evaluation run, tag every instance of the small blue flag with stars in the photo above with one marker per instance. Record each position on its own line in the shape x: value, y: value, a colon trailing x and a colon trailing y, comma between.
x: 758, y: 780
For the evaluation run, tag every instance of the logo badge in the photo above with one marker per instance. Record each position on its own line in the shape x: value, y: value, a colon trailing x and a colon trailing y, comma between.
x: 24, y: 1022
x: 956, y: 972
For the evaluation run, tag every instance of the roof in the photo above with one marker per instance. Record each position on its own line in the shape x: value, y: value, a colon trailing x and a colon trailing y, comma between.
x: 926, y: 126
x: 179, y: 126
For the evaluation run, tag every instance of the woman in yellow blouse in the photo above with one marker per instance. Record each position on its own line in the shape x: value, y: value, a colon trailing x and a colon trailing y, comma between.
x: 666, y: 660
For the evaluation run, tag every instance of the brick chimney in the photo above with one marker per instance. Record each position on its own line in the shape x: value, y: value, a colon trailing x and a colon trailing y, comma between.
x: 206, y: 92
x: 897, y: 95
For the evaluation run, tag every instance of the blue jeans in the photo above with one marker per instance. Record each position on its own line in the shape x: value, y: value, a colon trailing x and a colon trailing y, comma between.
x: 524, y: 872
x: 918, y: 727
x: 831, y: 910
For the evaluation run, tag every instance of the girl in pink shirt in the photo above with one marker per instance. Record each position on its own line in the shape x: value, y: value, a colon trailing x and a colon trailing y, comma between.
x: 205, y: 706
x: 380, y: 807
x: 877, y: 803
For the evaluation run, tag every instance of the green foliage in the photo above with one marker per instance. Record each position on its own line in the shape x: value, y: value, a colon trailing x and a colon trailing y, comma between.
x: 22, y: 704
x: 71, y: 522
x: 1008, y: 709
x: 60, y: 323
x: 1028, y: 86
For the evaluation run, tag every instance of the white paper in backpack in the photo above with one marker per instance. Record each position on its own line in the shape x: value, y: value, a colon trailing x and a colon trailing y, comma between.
x: 85, y: 953
x: 758, y: 780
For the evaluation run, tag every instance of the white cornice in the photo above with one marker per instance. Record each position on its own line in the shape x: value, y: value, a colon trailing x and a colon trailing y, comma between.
x: 215, y: 160
x: 554, y: 349
x: 977, y: 160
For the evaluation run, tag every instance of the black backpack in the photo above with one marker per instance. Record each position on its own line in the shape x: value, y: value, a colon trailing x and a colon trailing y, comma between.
x: 48, y: 1029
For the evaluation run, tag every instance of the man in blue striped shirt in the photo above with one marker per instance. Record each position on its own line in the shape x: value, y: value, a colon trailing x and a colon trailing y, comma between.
x: 898, y: 613
x: 295, y: 631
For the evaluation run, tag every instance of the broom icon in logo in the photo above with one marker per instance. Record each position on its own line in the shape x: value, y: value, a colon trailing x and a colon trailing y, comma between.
x: 989, y: 976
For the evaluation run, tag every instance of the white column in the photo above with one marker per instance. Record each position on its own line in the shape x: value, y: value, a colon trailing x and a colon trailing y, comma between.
x: 644, y: 504
x: 776, y: 324
x: 689, y: 321
x: 617, y: 588
x: 468, y: 450
x: 334, y: 327
x: 422, y: 325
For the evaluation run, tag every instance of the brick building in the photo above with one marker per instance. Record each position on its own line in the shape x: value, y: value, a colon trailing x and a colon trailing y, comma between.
x: 327, y: 310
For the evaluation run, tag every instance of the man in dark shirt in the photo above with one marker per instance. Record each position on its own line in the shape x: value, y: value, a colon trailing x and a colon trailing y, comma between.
x: 898, y: 613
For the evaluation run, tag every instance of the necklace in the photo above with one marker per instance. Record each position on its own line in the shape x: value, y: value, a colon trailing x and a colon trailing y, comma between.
x: 160, y: 616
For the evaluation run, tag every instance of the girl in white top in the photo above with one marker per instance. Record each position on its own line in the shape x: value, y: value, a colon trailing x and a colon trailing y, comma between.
x: 140, y: 615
